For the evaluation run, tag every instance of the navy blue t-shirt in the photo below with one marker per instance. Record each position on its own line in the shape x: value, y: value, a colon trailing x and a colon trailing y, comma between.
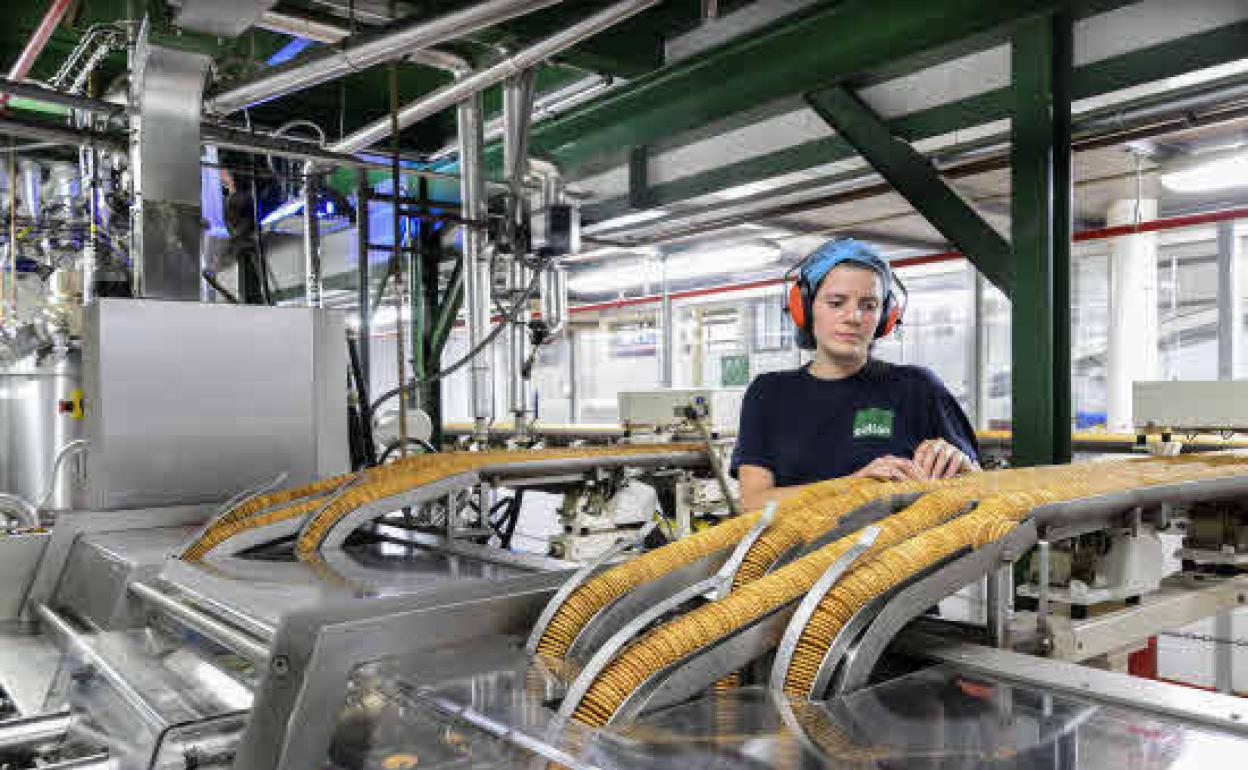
x: 805, y: 429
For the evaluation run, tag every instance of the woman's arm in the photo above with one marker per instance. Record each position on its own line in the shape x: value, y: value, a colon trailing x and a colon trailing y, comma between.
x: 951, y: 449
x: 939, y: 459
x: 758, y: 487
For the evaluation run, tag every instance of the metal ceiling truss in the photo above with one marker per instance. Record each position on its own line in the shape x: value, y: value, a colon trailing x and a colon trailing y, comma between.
x: 914, y: 176
x: 1169, y: 59
x: 788, y: 58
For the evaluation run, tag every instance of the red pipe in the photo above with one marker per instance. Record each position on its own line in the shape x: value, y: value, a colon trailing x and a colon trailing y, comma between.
x: 1096, y: 234
x: 1157, y: 225
x: 1143, y: 663
x: 38, y: 41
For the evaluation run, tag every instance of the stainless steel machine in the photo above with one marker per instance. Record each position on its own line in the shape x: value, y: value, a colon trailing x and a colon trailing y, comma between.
x: 230, y: 636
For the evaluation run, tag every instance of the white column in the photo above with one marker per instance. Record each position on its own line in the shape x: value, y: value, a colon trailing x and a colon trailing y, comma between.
x: 1133, y: 328
x: 1230, y: 302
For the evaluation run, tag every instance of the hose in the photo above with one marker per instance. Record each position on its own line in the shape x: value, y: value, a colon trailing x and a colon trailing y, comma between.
x: 394, y: 445
x: 449, y: 370
x: 72, y: 447
x: 20, y: 505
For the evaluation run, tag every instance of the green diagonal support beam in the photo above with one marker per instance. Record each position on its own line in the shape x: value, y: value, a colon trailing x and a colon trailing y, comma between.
x: 917, y: 180
x: 453, y: 300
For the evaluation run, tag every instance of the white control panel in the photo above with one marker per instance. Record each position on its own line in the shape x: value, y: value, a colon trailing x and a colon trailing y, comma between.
x: 666, y: 407
x: 1215, y: 405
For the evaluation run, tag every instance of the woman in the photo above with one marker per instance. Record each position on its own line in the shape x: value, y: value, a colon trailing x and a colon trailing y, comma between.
x: 846, y: 413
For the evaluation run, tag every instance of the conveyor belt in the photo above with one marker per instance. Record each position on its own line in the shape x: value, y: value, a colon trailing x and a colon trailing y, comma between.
x: 957, y: 517
x: 312, y: 511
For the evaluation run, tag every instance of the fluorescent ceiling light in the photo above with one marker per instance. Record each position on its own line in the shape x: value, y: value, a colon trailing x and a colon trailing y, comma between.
x: 742, y: 258
x: 385, y: 316
x: 618, y: 276
x: 1208, y: 74
x: 738, y: 258
x: 287, y: 209
x: 745, y: 190
x: 1221, y: 173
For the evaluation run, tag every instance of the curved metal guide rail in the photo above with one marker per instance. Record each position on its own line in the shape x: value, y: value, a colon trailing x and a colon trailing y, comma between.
x: 324, y: 517
x: 713, y: 575
x: 852, y: 655
x: 694, y: 673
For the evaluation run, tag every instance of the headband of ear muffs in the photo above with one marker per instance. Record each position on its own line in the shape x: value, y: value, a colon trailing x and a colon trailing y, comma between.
x: 815, y: 267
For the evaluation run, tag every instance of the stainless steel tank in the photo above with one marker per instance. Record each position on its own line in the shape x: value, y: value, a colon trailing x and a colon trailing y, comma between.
x: 41, y: 412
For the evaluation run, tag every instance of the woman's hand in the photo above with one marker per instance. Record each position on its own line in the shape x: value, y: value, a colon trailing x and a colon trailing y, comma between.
x: 891, y: 468
x: 938, y: 459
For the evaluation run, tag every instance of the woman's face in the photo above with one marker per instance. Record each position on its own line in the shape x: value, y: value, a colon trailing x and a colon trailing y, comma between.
x: 847, y: 310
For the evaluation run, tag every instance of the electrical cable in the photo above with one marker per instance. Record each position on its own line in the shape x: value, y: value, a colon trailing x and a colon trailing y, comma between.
x: 393, y: 446
x: 489, y: 339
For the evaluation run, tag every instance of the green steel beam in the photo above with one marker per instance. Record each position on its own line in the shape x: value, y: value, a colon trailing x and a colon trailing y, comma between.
x: 914, y: 176
x: 1175, y: 57
x: 827, y: 45
x: 453, y: 299
x: 431, y: 253
x: 1063, y: 31
x: 639, y: 177
x: 1035, y: 195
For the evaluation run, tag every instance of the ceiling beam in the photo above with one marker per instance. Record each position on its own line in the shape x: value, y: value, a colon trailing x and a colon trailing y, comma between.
x: 788, y: 58
x: 1174, y: 57
x: 914, y: 176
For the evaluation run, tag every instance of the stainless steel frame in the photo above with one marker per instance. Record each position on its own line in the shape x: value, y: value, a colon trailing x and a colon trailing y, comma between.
x: 315, y: 651
x: 1091, y: 684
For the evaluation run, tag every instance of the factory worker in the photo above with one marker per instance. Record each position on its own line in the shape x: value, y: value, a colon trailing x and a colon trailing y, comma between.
x: 846, y: 413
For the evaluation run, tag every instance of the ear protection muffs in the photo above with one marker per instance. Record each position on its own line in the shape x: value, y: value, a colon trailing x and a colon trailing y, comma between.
x: 801, y: 299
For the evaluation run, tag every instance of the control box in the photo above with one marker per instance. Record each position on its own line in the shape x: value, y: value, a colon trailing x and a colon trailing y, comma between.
x: 1178, y: 406
x: 666, y: 408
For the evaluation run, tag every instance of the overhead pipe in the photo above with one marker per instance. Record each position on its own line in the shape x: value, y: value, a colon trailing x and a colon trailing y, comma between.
x: 331, y: 33
x: 394, y: 42
x: 1097, y: 130
x: 61, y: 99
x: 476, y: 260
x: 30, y: 732
x: 517, y: 110
x: 545, y: 106
x: 450, y: 95
x: 37, y: 42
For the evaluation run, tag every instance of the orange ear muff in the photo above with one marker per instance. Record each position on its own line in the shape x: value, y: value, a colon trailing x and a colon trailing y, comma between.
x: 797, y: 305
x: 891, y: 318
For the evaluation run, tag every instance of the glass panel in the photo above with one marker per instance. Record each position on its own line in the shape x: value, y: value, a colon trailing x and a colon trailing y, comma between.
x: 936, y: 331
x: 398, y: 711
x: 621, y: 353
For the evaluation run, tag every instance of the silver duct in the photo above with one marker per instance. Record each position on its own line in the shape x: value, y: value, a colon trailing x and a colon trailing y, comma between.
x: 393, y: 42
x: 555, y: 298
x: 517, y: 109
x: 165, y: 95
x: 311, y: 238
x: 476, y: 270
x: 222, y: 18
x: 479, y: 80
x: 330, y: 33
x: 545, y: 106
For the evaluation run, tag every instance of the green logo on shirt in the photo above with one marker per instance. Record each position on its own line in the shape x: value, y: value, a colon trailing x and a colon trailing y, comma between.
x: 873, y: 423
